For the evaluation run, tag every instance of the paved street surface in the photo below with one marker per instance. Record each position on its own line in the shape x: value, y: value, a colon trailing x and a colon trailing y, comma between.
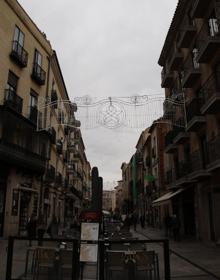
x: 189, y: 259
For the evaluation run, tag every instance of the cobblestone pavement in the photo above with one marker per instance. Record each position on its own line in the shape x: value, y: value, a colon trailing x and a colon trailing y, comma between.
x: 190, y: 259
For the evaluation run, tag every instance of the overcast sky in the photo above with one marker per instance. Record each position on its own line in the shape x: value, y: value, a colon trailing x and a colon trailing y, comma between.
x: 106, y: 48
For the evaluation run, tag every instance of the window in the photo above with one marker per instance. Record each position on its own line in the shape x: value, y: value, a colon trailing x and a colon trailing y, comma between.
x: 33, y: 99
x: 37, y: 58
x: 11, y: 86
x: 213, y: 27
x: 19, y: 36
x: 33, y: 107
x: 195, y: 54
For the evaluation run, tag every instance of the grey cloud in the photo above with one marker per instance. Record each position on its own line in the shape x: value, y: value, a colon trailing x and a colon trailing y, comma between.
x: 105, y: 48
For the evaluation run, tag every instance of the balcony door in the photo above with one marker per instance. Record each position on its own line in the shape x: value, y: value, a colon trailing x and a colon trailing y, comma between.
x: 3, y: 185
x: 2, y: 206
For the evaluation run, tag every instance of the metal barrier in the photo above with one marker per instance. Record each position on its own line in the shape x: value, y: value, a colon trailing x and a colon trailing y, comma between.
x: 52, y: 258
x: 132, y: 255
x: 59, y: 258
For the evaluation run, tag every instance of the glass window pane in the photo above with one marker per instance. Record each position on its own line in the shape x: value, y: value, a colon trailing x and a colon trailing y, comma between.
x: 21, y: 38
x: 38, y: 58
x: 16, y: 34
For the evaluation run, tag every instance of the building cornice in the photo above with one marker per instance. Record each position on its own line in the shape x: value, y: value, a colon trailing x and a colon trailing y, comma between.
x: 176, y: 21
x: 30, y: 25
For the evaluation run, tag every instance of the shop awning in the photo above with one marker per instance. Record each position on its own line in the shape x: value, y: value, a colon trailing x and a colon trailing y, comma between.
x: 164, y: 198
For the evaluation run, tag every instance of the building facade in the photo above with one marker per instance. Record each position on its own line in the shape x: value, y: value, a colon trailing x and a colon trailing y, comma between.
x: 190, y: 60
x: 36, y: 127
x: 107, y: 200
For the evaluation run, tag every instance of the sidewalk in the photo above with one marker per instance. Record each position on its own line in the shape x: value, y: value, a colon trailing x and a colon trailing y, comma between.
x: 203, y: 256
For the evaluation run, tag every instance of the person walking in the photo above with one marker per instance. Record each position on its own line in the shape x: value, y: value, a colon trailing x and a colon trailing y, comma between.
x: 31, y: 228
x: 41, y: 229
x: 176, y: 228
x: 142, y: 221
x: 135, y: 219
x: 167, y: 225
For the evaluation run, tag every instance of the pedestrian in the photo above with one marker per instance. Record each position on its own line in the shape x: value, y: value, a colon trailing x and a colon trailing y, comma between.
x: 142, y: 221
x: 127, y: 223
x: 135, y: 219
x: 31, y: 228
x: 53, y: 227
x: 176, y: 227
x: 41, y: 229
x: 167, y: 225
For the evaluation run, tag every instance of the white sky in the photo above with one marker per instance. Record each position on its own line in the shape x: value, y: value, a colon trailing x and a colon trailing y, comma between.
x: 106, y: 48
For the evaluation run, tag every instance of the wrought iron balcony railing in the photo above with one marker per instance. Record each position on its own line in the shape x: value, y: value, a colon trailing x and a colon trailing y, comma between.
x: 214, y: 150
x: 199, y: 8
x: 208, y: 41
x: 38, y: 74
x: 50, y: 174
x: 59, y: 146
x: 191, y: 71
x: 169, y: 177
x: 187, y: 32
x: 183, y: 169
x: 197, y: 161
x: 33, y: 115
x: 171, y: 135
x: 193, y: 109
x: 166, y: 78
x: 13, y: 101
x: 19, y: 54
x: 210, y: 94
x: 53, y: 134
x: 59, y: 179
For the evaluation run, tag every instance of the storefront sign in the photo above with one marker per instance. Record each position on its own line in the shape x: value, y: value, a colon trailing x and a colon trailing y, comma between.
x: 90, y: 231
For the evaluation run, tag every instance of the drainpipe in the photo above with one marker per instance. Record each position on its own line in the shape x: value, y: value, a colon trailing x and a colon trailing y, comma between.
x: 44, y: 125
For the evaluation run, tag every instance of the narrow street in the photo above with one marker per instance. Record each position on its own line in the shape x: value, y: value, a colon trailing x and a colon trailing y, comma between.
x: 188, y: 260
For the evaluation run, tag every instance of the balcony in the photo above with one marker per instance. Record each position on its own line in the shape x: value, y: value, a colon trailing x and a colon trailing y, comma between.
x: 59, y: 146
x: 54, y: 98
x: 76, y: 192
x: 50, y: 174
x: 195, y: 120
x: 199, y: 8
x: 191, y: 72
x: 33, y: 115
x: 73, y: 107
x: 25, y: 148
x: 208, y: 43
x: 213, y: 153
x: 210, y: 93
x: 170, y: 146
x: 166, y: 79
x: 65, y: 183
x: 187, y: 33
x: 65, y: 156
x: 38, y: 74
x: 66, y: 129
x: 176, y: 60
x: 181, y: 138
x: 19, y: 54
x: 13, y: 101
x: 71, y: 147
x: 169, y: 177
x: 197, y: 164
x: 182, y: 171
x: 52, y: 133
x: 71, y: 168
x: 59, y: 179
x: 148, y: 161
